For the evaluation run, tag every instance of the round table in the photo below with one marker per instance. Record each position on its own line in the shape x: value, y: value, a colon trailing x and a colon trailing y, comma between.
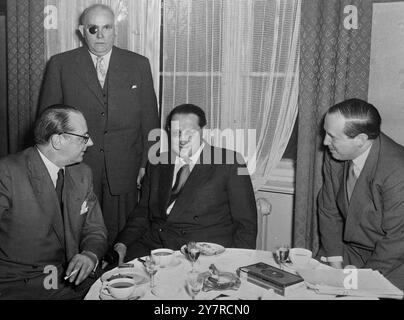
x: 170, y: 281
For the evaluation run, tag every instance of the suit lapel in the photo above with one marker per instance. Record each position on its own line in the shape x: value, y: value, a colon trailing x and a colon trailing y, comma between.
x: 85, y: 69
x: 165, y: 183
x: 362, y: 190
x: 72, y: 202
x: 119, y: 75
x: 45, y: 193
x: 342, y: 198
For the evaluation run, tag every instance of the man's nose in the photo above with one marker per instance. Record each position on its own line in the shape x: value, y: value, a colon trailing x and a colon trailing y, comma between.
x: 100, y: 33
x: 90, y: 143
x: 326, y: 140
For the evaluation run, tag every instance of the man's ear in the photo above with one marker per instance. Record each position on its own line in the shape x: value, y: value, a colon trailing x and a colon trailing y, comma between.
x: 56, y: 141
x: 362, y: 138
x: 81, y: 29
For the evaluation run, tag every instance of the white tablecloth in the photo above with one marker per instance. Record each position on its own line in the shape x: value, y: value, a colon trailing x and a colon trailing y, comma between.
x: 171, y: 280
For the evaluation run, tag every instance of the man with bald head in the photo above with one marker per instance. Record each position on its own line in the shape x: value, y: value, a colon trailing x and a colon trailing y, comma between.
x: 113, y: 88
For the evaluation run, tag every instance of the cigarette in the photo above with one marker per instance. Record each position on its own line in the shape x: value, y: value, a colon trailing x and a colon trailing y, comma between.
x: 72, y: 273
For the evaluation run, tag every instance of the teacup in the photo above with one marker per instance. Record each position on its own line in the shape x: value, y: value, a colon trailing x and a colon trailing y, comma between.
x: 163, y: 256
x: 120, y: 288
x: 300, y: 257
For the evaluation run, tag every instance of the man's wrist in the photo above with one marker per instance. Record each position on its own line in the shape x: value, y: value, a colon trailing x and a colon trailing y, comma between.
x: 93, y: 258
x: 121, y: 249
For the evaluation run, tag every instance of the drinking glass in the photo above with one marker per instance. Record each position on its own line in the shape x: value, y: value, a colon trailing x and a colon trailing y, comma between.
x: 194, y: 283
x: 192, y: 252
x: 151, y: 268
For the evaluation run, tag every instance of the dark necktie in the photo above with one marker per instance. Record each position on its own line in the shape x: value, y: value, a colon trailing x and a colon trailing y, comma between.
x: 59, y: 187
x: 181, y: 178
x: 351, y: 180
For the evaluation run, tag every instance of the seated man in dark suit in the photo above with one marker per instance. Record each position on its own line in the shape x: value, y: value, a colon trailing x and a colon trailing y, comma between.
x: 51, y: 225
x: 196, y: 192
x: 361, y: 203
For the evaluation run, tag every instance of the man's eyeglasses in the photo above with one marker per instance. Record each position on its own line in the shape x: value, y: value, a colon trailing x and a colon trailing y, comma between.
x: 85, y: 138
x: 93, y: 29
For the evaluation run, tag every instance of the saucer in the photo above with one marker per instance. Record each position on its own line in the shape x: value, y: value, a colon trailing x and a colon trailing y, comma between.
x: 174, y: 263
x: 125, y: 273
x: 137, y: 294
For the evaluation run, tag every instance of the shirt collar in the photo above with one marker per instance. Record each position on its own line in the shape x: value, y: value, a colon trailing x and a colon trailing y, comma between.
x: 360, y: 160
x: 52, y: 168
x: 106, y: 57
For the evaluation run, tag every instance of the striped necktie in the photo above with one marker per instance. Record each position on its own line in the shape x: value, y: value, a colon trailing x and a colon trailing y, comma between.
x: 101, y: 71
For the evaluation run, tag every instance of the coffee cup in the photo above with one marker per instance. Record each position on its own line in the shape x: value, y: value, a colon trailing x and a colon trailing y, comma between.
x: 121, y: 288
x: 163, y: 256
x: 300, y: 257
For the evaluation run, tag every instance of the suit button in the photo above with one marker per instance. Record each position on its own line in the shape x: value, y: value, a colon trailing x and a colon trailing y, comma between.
x: 102, y: 150
x: 160, y: 230
x: 196, y: 218
x: 103, y: 113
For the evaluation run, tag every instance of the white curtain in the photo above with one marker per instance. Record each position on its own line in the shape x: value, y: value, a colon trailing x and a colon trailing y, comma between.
x: 137, y: 27
x: 239, y: 61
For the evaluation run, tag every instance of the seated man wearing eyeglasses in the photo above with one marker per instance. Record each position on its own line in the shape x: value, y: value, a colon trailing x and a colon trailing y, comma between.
x: 52, y: 232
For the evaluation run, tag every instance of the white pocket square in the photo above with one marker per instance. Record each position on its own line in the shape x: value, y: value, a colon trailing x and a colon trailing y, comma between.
x: 134, y: 86
x: 84, y: 207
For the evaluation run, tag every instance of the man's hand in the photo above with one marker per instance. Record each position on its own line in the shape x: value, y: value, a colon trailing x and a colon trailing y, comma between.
x: 84, y: 266
x: 139, y: 179
x: 121, y: 249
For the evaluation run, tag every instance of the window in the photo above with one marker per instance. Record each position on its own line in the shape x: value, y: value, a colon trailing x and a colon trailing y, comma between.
x: 238, y: 60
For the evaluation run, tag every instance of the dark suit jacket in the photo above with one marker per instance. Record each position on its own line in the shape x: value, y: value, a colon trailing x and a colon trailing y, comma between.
x: 31, y: 226
x: 369, y: 231
x: 216, y: 204
x: 119, y: 123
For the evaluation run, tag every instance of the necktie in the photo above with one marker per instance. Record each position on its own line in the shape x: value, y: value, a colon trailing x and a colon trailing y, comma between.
x: 101, y: 71
x: 59, y: 187
x: 180, y: 180
x: 351, y: 180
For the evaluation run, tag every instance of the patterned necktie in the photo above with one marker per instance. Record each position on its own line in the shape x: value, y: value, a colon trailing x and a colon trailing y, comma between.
x: 351, y: 180
x: 101, y: 71
x: 181, y: 178
x: 59, y: 187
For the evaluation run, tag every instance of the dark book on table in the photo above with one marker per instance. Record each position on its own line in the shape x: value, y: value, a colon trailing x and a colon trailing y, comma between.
x: 270, y: 277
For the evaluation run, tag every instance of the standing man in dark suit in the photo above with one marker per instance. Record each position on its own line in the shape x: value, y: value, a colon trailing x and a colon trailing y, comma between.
x: 114, y: 90
x: 196, y: 192
x: 51, y: 225
x: 361, y: 203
